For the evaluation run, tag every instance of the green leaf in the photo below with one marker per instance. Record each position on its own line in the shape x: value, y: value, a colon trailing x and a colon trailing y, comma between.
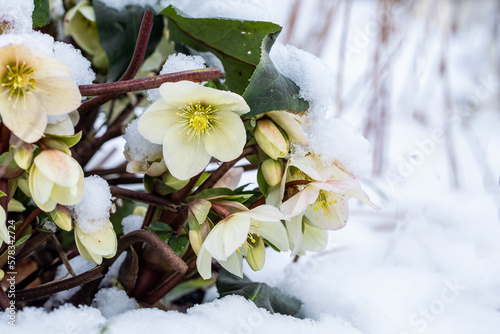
x: 41, y: 14
x: 261, y: 294
x: 212, y: 192
x: 236, y: 43
x: 261, y: 181
x: 118, y: 34
x: 186, y: 288
x: 69, y: 141
x: 270, y: 90
x: 160, y: 227
x: 179, y: 244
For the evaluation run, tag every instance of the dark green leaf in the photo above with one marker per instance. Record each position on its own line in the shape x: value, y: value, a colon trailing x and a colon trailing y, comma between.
x: 41, y: 14
x: 118, y: 34
x: 261, y: 294
x: 270, y: 90
x: 236, y: 43
x: 261, y: 181
x: 160, y: 227
x: 179, y: 243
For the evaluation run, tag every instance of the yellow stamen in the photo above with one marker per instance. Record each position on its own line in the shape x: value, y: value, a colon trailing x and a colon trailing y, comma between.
x: 197, y: 120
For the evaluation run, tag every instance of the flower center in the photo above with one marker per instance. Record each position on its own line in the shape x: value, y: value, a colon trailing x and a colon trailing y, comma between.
x: 324, y: 201
x: 196, y: 120
x: 19, y: 79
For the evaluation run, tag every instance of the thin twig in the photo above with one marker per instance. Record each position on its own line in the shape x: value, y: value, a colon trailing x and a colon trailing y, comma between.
x: 134, y: 85
x: 27, y: 222
x: 63, y: 256
x: 145, y: 198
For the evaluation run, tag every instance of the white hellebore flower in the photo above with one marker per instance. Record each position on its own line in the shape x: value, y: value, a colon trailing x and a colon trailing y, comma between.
x: 195, y: 123
x: 236, y: 234
x: 54, y: 178
x: 323, y: 200
x: 94, y: 246
x: 32, y: 87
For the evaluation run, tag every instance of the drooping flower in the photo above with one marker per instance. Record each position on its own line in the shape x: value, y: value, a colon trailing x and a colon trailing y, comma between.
x: 322, y: 197
x: 95, y: 246
x: 195, y: 123
x: 54, y: 178
x: 238, y: 235
x: 32, y: 87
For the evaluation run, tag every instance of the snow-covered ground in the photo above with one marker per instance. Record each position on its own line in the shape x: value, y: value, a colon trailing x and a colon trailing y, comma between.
x: 429, y: 261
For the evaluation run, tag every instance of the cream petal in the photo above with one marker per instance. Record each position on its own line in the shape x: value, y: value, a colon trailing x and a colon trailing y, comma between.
x: 40, y: 186
x: 234, y: 264
x: 329, y: 216
x: 274, y: 232
x: 184, y: 92
x: 294, y: 230
x: 227, y: 236
x: 86, y: 254
x: 264, y: 213
x: 298, y: 203
x: 315, y: 239
x: 204, y: 263
x: 26, y: 118
x: 58, y: 95
x: 69, y: 195
x: 156, y: 121
x: 62, y: 128
x: 59, y: 167
x: 184, y: 159
x: 101, y: 242
x: 227, y: 139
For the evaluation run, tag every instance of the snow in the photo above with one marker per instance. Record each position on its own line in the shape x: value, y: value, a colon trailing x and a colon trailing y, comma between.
x: 17, y: 15
x: 132, y: 223
x: 113, y: 301
x: 138, y: 148
x: 334, y: 139
x: 92, y: 212
x: 81, y: 72
x: 177, y: 63
x: 48, y: 225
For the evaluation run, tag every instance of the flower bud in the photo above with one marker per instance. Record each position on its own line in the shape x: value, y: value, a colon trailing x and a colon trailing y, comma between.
x: 23, y: 155
x: 256, y: 253
x: 196, y: 237
x: 272, y: 171
x: 62, y: 217
x: 291, y: 123
x: 94, y: 246
x: 270, y: 139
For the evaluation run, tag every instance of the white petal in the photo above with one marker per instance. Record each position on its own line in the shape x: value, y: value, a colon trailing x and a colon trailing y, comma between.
x: 184, y: 158
x: 227, y: 236
x: 204, y: 263
x: 86, y: 254
x: 68, y: 195
x: 274, y: 232
x: 294, y: 229
x: 41, y: 188
x: 59, y: 167
x: 156, y: 121
x: 101, y: 242
x: 184, y: 92
x: 58, y: 95
x: 329, y: 216
x: 234, y: 264
x: 298, y: 203
x: 264, y: 213
x: 26, y: 118
x: 227, y: 139
x: 315, y: 239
